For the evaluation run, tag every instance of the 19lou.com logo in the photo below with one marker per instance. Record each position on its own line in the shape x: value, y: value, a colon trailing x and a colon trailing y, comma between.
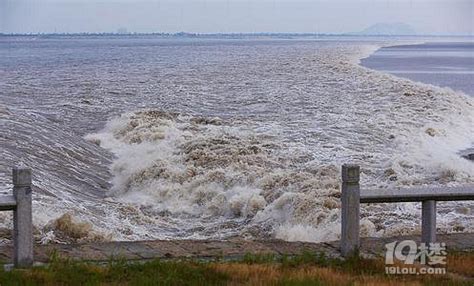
x: 406, y: 257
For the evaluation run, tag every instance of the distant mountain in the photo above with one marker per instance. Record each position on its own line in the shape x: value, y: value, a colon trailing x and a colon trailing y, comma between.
x: 388, y: 29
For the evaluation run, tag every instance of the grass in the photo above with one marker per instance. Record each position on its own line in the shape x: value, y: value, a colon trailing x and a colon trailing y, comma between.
x: 115, y: 272
x: 461, y: 263
x: 305, y: 269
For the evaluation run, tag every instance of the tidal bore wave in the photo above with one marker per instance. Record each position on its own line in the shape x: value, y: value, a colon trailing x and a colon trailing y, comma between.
x: 254, y: 151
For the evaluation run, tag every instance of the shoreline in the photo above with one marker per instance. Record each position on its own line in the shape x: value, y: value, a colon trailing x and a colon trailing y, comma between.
x: 231, y: 249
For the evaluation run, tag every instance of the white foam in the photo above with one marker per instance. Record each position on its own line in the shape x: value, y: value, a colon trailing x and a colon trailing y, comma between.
x: 269, y: 169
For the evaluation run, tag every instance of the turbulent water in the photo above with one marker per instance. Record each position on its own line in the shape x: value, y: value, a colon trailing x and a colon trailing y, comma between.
x: 142, y: 138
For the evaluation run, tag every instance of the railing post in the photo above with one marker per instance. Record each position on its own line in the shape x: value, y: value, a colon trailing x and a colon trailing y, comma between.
x: 428, y: 221
x: 22, y: 218
x: 350, y: 208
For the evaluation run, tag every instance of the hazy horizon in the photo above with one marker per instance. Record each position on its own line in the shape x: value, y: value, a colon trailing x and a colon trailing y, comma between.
x: 233, y: 16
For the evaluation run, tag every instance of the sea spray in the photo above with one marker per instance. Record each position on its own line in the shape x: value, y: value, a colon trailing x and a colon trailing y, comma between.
x: 249, y: 146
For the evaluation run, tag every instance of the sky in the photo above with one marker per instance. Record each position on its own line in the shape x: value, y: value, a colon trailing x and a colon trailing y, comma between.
x: 233, y: 16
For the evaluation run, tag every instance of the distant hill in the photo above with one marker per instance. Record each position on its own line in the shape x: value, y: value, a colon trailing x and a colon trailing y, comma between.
x: 388, y: 29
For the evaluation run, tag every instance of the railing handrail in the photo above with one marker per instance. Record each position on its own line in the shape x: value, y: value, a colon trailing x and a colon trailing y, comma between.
x: 7, y: 203
x: 418, y: 194
x: 352, y: 197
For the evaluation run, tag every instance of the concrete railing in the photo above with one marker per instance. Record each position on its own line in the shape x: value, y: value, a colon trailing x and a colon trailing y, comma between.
x: 352, y: 197
x: 20, y: 204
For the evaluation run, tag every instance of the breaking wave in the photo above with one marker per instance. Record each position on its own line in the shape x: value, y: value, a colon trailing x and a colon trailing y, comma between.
x: 265, y: 164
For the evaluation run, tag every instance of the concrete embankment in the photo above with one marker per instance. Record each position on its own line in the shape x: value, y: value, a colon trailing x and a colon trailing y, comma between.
x: 227, y: 249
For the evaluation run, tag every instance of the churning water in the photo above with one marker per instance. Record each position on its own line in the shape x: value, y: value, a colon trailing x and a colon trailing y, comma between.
x: 145, y: 138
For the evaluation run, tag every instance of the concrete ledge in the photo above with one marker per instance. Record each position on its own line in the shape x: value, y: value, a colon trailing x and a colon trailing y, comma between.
x: 206, y: 249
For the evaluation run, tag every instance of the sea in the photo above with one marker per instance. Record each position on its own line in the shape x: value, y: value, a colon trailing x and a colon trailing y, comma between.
x: 145, y: 137
x: 445, y: 64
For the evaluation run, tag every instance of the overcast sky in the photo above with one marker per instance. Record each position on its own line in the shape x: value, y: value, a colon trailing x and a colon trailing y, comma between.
x: 210, y: 16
